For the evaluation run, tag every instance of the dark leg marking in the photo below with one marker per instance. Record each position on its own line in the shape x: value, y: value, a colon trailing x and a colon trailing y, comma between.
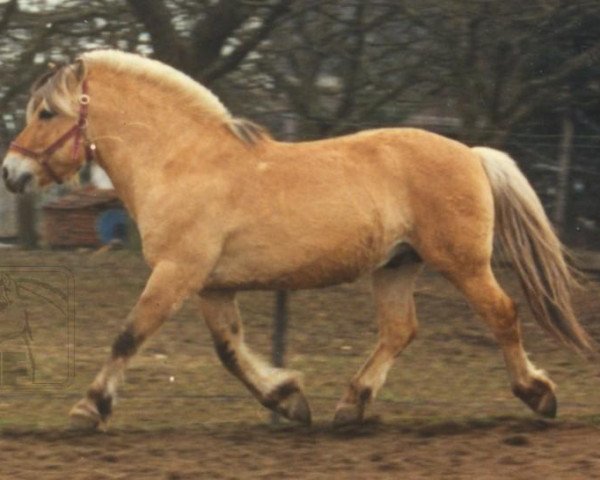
x: 103, y: 403
x: 359, y: 395
x: 288, y: 400
x: 126, y: 344
x: 281, y: 393
x: 365, y: 395
x: 227, y: 356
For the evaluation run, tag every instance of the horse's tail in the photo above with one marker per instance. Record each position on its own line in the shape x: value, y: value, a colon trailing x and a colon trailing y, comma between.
x: 527, y: 237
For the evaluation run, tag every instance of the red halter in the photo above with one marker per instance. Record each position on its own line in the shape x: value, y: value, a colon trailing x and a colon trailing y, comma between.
x: 76, y: 131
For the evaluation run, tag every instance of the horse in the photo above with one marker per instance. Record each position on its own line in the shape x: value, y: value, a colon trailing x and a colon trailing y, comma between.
x: 221, y: 206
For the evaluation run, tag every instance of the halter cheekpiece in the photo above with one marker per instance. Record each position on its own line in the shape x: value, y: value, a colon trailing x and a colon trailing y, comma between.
x: 77, y: 132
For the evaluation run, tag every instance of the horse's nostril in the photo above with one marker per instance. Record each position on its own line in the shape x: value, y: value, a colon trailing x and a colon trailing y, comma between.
x: 4, y: 173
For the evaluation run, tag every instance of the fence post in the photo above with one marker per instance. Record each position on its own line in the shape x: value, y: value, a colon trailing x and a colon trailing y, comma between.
x: 281, y: 296
x: 563, y: 186
x: 279, y: 335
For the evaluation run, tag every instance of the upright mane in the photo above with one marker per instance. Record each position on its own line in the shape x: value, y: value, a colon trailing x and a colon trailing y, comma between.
x: 160, y: 73
x: 54, y: 88
x: 192, y: 93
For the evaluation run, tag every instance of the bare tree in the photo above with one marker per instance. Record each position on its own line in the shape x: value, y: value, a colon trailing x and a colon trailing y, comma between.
x: 200, y: 50
x: 341, y: 65
x: 491, y: 58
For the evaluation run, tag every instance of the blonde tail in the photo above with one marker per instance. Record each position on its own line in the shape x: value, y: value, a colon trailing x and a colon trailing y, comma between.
x: 537, y: 255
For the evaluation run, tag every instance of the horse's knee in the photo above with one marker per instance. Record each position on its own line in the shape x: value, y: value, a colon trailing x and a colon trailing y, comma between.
x: 143, y: 321
x: 127, y: 343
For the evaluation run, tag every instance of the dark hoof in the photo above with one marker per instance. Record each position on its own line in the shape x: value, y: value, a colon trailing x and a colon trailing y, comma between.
x: 348, y: 414
x: 296, y: 408
x: 288, y: 400
x: 548, y: 405
x: 538, y: 396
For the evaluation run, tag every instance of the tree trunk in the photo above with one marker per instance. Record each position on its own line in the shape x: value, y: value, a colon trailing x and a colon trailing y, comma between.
x: 563, y: 177
x: 26, y: 221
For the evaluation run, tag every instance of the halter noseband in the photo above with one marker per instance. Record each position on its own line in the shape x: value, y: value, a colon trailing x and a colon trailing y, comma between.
x: 77, y: 131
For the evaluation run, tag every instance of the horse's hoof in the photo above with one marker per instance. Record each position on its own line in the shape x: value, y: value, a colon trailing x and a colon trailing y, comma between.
x: 296, y: 408
x: 85, y: 416
x: 288, y: 400
x: 538, y: 396
x: 548, y: 405
x: 348, y: 414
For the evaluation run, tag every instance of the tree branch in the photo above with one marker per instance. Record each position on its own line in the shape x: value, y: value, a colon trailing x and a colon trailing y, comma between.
x: 168, y: 46
x: 212, y: 31
x: 536, y: 91
x: 355, y: 63
x: 10, y: 9
x: 34, y: 20
x: 227, y: 63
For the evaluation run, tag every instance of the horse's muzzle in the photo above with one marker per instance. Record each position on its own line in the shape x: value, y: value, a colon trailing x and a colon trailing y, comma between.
x: 18, y: 185
x: 16, y: 179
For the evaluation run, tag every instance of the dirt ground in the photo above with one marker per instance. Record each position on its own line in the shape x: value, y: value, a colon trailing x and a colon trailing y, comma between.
x: 445, y: 412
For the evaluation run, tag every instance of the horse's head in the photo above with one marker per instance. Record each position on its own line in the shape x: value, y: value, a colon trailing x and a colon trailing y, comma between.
x: 53, y: 145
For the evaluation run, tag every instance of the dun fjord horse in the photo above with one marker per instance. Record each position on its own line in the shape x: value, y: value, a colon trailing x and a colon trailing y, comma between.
x: 223, y: 207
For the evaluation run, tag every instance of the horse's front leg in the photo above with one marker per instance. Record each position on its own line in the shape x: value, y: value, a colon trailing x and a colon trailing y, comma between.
x: 166, y: 288
x: 275, y: 388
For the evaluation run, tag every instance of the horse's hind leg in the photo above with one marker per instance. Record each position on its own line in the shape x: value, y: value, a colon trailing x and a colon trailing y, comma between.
x: 498, y: 311
x: 277, y: 389
x: 393, y: 288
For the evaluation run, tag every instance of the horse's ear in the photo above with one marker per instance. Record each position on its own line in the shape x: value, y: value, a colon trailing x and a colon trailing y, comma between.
x: 79, y: 70
x: 74, y: 74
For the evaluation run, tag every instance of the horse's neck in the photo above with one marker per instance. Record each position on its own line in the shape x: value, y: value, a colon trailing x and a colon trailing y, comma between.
x: 117, y: 161
x: 135, y: 140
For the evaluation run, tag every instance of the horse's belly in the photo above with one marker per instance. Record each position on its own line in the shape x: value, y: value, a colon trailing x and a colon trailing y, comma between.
x: 311, y: 236
x: 300, y: 278
x: 297, y: 266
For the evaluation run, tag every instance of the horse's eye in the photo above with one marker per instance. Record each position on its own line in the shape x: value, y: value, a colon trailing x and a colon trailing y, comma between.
x: 46, y: 114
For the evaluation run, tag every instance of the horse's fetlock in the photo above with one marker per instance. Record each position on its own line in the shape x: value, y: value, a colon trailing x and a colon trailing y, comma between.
x: 281, y: 392
x: 359, y: 394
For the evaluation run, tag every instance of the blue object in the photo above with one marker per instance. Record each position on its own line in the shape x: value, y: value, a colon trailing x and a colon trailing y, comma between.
x: 112, y: 225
